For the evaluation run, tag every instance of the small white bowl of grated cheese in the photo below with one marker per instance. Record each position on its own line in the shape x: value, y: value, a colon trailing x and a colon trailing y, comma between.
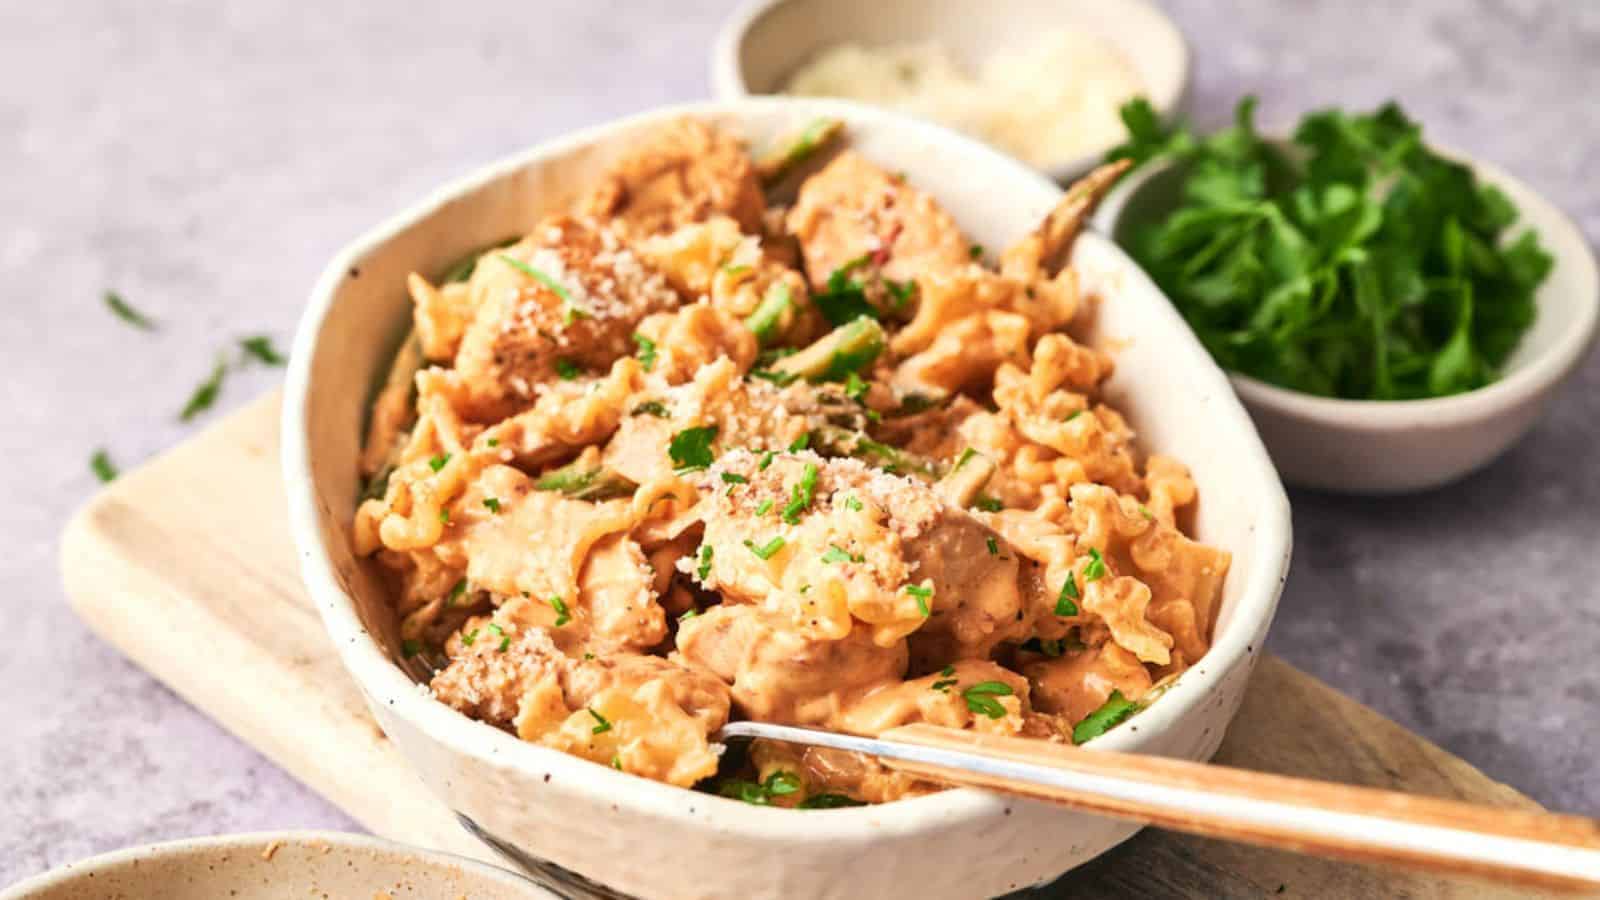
x: 1037, y: 79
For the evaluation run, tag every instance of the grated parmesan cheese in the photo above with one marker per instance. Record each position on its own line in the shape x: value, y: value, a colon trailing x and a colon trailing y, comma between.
x: 1049, y: 101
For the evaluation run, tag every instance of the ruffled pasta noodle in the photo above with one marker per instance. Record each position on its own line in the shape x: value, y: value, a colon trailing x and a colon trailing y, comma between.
x: 677, y: 457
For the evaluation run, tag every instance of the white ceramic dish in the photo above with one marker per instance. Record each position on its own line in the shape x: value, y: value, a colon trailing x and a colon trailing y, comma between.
x: 582, y: 824
x: 271, y: 866
x: 1392, y: 447
x: 767, y: 40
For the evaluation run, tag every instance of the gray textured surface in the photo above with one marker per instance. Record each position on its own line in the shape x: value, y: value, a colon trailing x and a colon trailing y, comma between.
x: 205, y: 159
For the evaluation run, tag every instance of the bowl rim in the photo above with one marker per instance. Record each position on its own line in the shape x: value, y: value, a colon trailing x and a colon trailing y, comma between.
x: 728, y: 81
x: 386, y: 685
x: 1517, y: 387
x: 256, y: 842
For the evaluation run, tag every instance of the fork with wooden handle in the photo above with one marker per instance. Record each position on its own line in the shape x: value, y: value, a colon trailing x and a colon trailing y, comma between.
x: 1313, y: 817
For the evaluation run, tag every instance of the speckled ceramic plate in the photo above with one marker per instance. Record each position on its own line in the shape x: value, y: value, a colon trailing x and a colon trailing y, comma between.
x: 274, y: 865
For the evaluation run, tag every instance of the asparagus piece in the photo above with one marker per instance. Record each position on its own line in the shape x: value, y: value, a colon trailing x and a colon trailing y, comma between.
x: 793, y: 150
x: 582, y: 481
x: 767, y: 318
x: 849, y: 348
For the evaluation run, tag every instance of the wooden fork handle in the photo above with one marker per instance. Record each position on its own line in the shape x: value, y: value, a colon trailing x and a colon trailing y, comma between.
x: 1318, y: 818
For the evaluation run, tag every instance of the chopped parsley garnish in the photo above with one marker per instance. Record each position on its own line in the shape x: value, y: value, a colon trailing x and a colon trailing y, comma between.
x: 1072, y: 415
x: 438, y: 462
x: 468, y: 639
x: 764, y: 507
x: 852, y: 504
x: 572, y: 310
x: 1096, y: 569
x: 828, y: 801
x: 127, y: 313
x: 1069, y: 593
x: 689, y: 614
x: 704, y: 571
x: 505, y: 639
x: 766, y: 460
x: 764, y: 321
x: 901, y: 291
x: 734, y: 478
x: 854, y: 387
x: 492, y: 504
x: 766, y: 550
x: 801, y: 495
x: 652, y: 408
x: 567, y: 369
x: 1112, y: 713
x: 966, y: 456
x: 563, y: 615
x: 778, y: 784
x: 455, y: 593
x: 690, y: 448
x: 948, y: 670
x: 781, y: 379
x: 943, y: 685
x: 993, y: 545
x: 410, y: 647
x: 800, y: 443
x: 205, y: 394
x: 844, y: 299
x: 1145, y: 511
x: 602, y: 725
x: 923, y: 594
x: 261, y: 348
x: 493, y: 442
x: 782, y: 784
x: 975, y: 251
x: 102, y: 466
x: 981, y: 700
x: 616, y: 761
x: 836, y: 554
x: 647, y: 351
x: 444, y: 515
x: 988, y: 503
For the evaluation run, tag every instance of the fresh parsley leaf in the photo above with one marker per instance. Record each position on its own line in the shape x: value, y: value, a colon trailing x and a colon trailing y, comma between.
x: 1069, y: 593
x: 1096, y: 567
x: 100, y: 463
x: 205, y: 394
x: 734, y: 478
x: 854, y: 387
x: 782, y: 784
x: 844, y: 299
x: 852, y: 504
x: 127, y: 313
x: 799, y: 443
x: 836, y: 554
x: 567, y: 369
x: 647, y: 351
x: 260, y: 348
x: 1112, y: 713
x: 492, y: 504
x: 438, y: 462
x: 765, y: 551
x: 981, y: 700
x: 801, y: 494
x: 690, y: 448
x: 828, y: 801
x: 988, y: 503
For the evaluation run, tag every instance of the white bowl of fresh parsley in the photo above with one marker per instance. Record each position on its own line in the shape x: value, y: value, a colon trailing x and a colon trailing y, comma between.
x: 1393, y: 316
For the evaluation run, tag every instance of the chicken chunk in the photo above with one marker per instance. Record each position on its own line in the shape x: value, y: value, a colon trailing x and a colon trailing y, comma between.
x: 779, y: 675
x: 685, y: 172
x: 853, y: 208
x: 565, y: 299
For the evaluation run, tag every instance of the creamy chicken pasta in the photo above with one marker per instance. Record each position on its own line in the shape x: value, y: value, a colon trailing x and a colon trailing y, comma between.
x: 683, y: 454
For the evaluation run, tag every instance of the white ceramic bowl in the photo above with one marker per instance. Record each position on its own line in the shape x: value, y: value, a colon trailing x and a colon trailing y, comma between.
x: 767, y: 40
x: 271, y: 866
x: 583, y: 824
x: 1399, y: 446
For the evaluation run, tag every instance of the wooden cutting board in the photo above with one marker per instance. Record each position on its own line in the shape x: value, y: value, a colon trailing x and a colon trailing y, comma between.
x: 186, y: 565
